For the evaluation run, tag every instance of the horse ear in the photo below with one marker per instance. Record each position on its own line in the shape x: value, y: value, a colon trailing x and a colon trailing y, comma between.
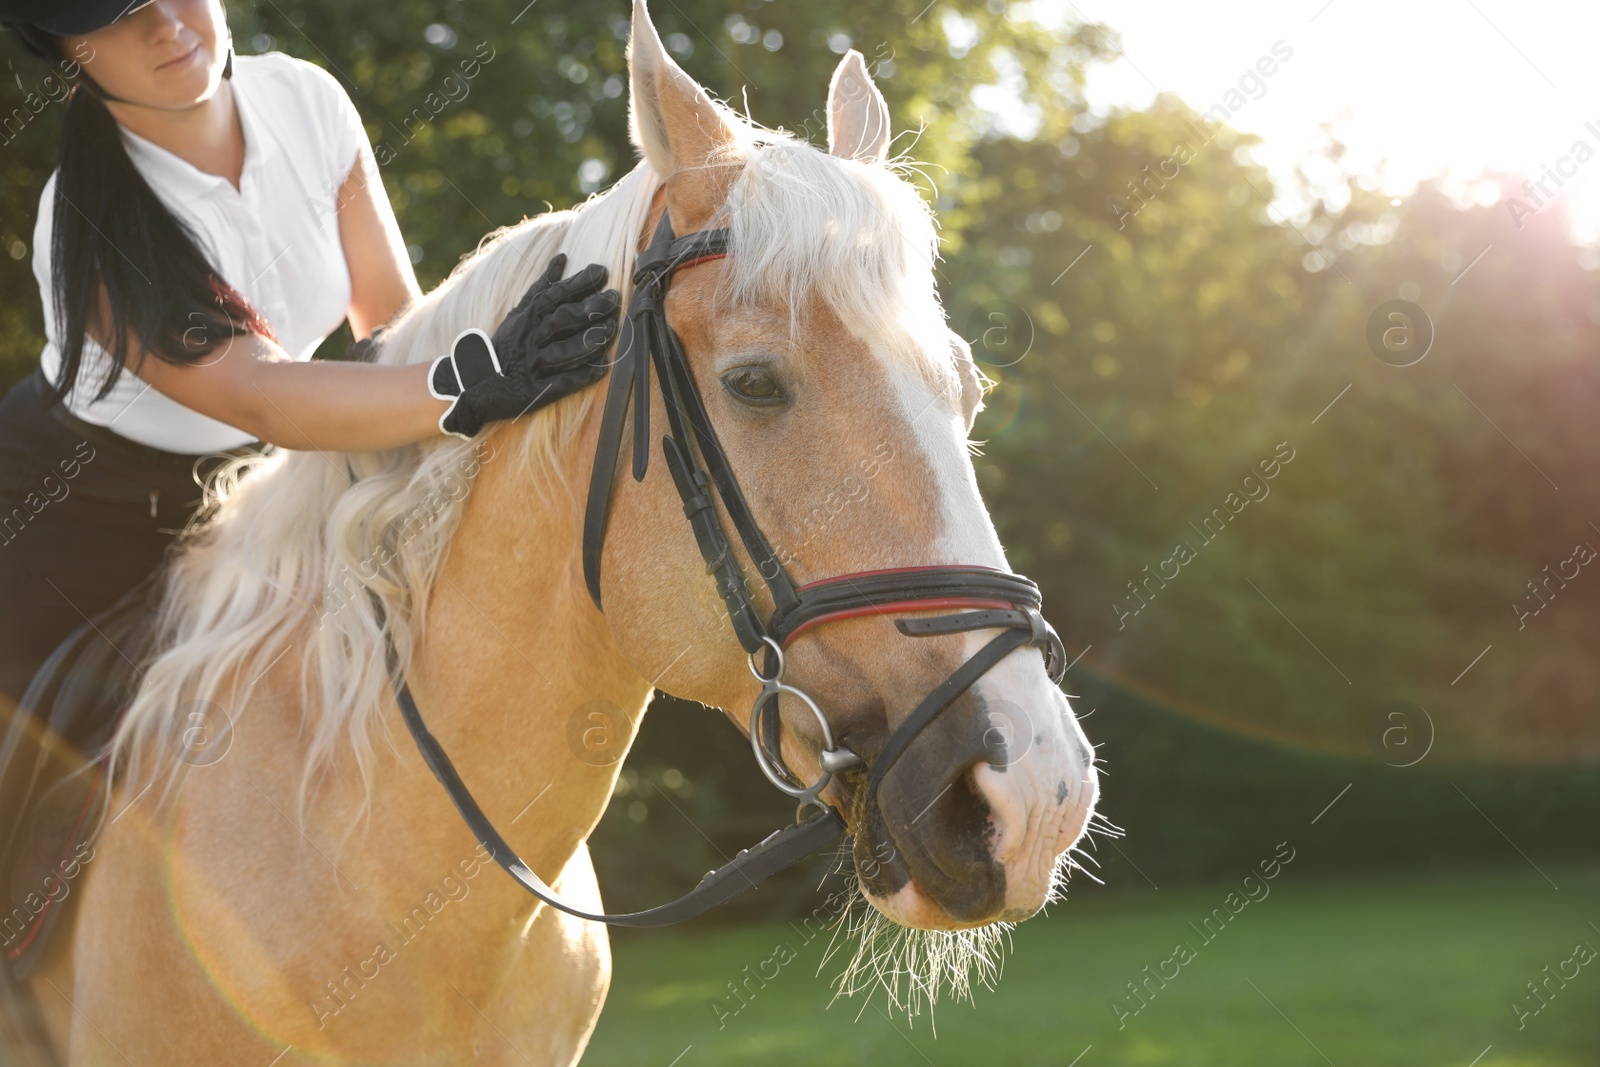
x: 858, y: 118
x: 676, y: 125
x: 972, y: 379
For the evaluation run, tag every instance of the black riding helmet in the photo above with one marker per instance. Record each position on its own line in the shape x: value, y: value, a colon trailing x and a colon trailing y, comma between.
x: 30, y: 19
x: 36, y: 23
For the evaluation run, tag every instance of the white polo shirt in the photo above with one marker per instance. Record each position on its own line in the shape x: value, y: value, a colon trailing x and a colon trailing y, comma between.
x: 275, y: 239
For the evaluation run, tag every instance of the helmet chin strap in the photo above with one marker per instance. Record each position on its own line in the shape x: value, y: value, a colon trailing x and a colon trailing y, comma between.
x: 93, y: 86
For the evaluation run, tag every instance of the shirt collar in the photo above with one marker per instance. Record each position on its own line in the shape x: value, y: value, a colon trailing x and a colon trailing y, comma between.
x: 168, y: 171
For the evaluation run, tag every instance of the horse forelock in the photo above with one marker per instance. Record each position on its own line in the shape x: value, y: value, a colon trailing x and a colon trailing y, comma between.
x: 805, y: 225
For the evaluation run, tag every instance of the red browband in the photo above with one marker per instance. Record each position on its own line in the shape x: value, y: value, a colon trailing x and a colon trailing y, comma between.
x: 899, y: 570
x: 894, y: 607
x: 898, y: 606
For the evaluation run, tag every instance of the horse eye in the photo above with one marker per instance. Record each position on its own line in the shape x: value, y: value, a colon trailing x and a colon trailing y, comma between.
x: 754, y: 385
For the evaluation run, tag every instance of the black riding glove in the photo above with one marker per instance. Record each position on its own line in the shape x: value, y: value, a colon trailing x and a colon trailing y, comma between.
x: 551, y: 345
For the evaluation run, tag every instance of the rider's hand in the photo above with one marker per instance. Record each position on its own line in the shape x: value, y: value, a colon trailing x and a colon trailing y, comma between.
x: 551, y: 345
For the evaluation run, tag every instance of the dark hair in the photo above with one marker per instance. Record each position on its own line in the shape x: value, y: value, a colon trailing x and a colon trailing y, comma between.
x: 112, y: 232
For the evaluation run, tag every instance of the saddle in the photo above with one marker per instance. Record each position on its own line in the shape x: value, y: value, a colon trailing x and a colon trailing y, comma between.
x: 52, y: 770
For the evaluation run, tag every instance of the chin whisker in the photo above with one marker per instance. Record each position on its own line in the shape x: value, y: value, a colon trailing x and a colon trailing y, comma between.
x: 1073, y: 864
x: 1099, y: 824
x: 914, y: 969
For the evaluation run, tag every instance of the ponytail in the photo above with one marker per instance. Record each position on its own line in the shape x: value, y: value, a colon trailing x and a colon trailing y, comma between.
x: 113, y: 235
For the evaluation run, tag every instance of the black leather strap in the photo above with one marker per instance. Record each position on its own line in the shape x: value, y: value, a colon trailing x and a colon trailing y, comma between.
x: 936, y: 701
x: 597, y: 511
x: 881, y: 589
x: 648, y: 340
x: 923, y: 583
x: 756, y: 545
x: 695, y: 490
x: 959, y: 623
x: 762, y: 860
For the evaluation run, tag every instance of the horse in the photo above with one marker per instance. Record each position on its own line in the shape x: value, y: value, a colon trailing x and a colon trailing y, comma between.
x: 305, y: 894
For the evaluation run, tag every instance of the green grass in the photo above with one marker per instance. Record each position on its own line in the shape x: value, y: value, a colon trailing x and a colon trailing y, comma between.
x: 1417, y: 972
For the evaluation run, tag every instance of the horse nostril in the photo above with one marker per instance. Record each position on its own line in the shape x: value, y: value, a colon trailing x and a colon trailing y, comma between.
x: 1009, y: 732
x: 989, y: 784
x: 941, y: 826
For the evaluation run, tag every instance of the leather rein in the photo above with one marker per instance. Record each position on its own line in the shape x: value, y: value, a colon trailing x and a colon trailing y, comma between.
x: 989, y: 599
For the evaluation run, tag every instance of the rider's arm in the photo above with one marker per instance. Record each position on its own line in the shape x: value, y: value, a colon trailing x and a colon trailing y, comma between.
x: 253, y: 384
x: 550, y: 345
x: 381, y: 278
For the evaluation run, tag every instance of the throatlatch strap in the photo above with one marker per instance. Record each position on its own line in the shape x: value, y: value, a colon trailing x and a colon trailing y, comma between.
x: 762, y: 860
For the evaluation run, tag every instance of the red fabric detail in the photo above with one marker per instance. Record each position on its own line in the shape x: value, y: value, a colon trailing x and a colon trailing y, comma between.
x: 902, y: 570
x: 897, y: 606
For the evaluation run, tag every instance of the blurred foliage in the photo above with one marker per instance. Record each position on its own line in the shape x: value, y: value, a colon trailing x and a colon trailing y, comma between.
x: 485, y: 113
x: 1147, y: 362
x: 1141, y: 387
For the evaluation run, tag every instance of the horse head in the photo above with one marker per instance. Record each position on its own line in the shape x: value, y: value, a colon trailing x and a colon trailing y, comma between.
x: 842, y: 402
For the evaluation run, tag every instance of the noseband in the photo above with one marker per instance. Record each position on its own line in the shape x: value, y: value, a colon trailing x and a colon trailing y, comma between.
x: 983, y: 598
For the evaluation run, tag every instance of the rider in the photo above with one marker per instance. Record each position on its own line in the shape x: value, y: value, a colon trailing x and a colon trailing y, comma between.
x: 222, y: 214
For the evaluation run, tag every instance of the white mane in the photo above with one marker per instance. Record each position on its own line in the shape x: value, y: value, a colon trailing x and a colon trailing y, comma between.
x: 322, y: 552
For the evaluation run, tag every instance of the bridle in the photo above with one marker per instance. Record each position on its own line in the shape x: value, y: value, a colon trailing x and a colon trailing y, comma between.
x: 987, y: 599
